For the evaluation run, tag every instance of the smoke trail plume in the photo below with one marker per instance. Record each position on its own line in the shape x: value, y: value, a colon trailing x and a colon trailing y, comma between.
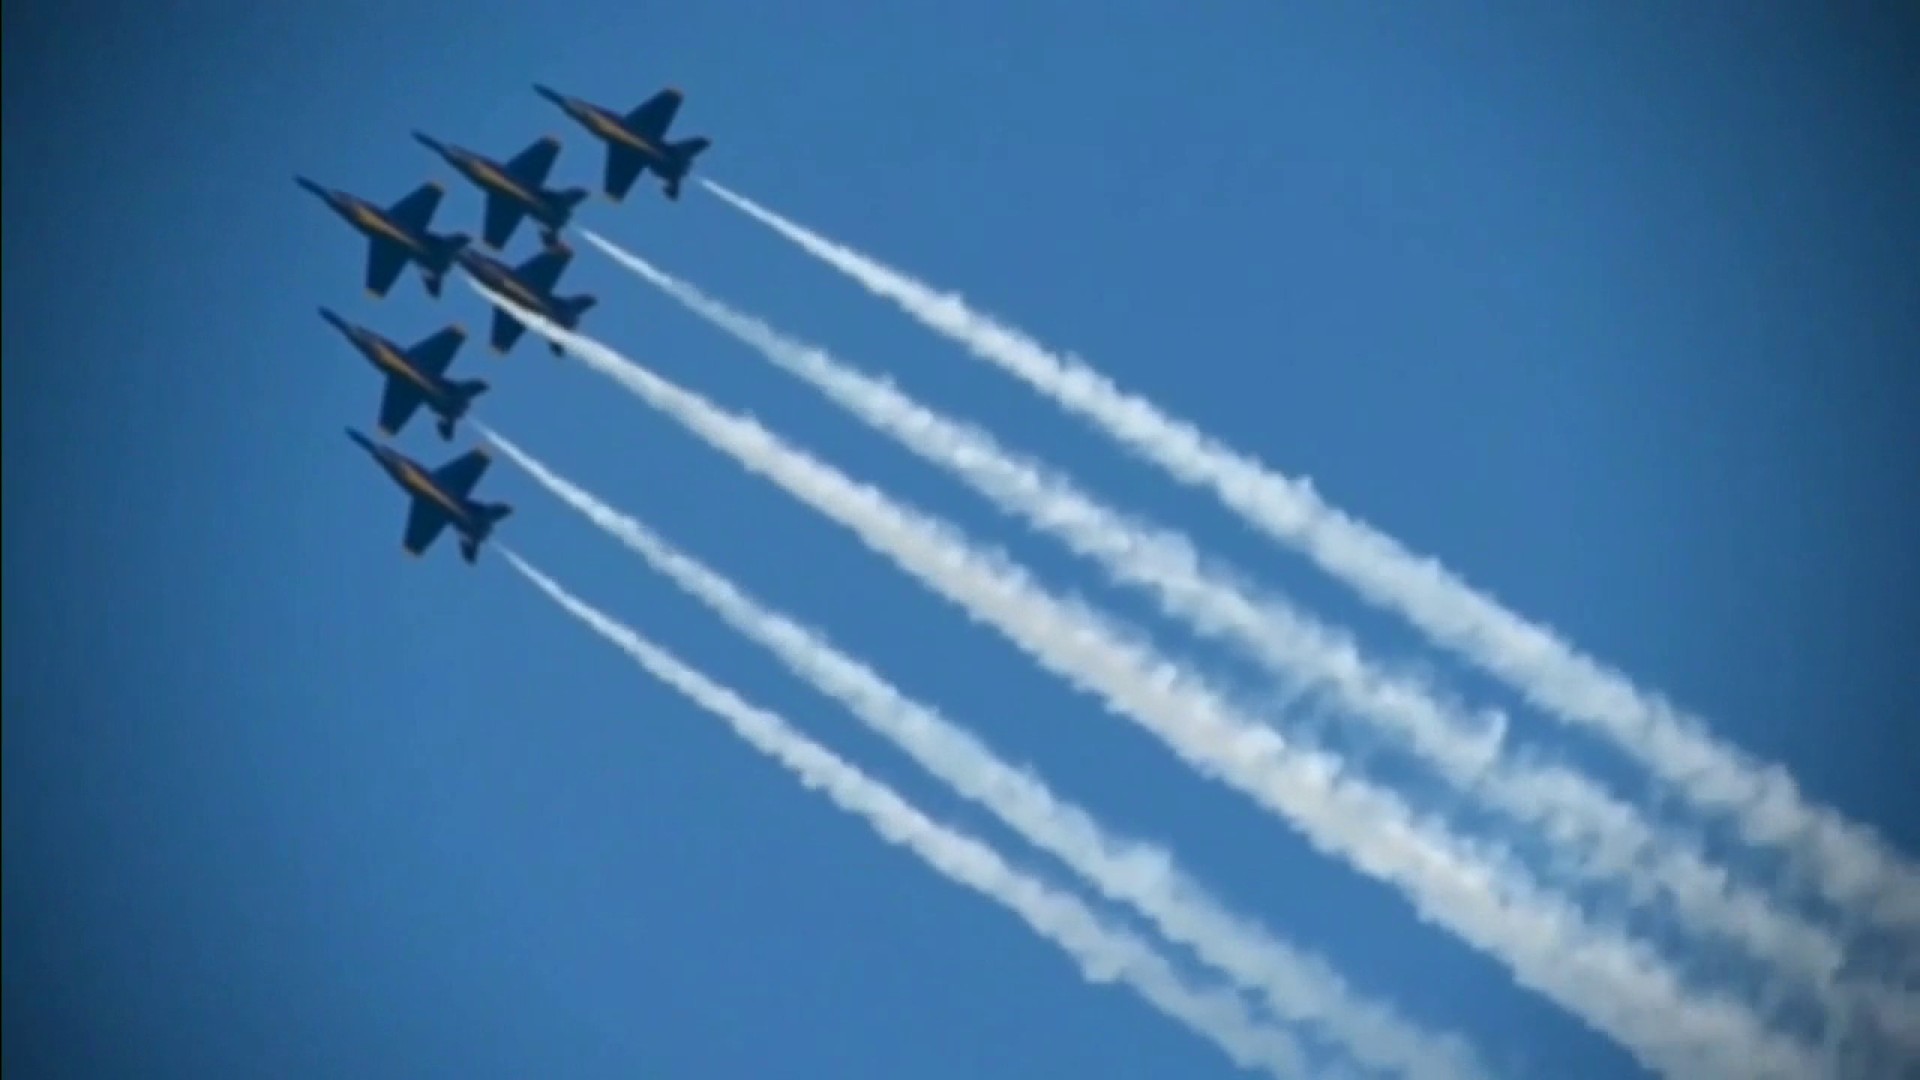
x: 1103, y: 953
x: 1606, y: 839
x: 1618, y: 986
x: 1843, y: 860
x: 1299, y: 988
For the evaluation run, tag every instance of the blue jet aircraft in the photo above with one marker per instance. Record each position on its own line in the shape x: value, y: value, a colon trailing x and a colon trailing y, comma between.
x: 514, y: 190
x: 416, y: 376
x: 440, y: 497
x: 396, y: 234
x: 530, y: 285
x: 637, y: 141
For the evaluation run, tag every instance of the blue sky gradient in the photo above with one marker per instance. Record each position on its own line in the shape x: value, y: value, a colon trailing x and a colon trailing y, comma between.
x: 1614, y: 312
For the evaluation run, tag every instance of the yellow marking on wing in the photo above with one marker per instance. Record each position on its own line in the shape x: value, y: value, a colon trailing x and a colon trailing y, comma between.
x: 375, y: 222
x: 496, y: 178
x: 399, y: 365
x: 618, y: 132
x: 526, y: 296
x: 417, y: 481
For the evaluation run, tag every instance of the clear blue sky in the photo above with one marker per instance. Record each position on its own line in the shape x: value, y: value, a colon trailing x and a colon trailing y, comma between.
x: 1616, y: 313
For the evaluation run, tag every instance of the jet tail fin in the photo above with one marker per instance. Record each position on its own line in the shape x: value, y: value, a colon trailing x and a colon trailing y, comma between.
x: 446, y: 246
x: 572, y: 197
x: 686, y: 150
x: 450, y: 244
x: 494, y: 513
x: 682, y: 154
x: 579, y: 305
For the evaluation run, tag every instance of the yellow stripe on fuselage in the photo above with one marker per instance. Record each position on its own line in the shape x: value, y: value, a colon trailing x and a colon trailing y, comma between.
x: 394, y: 362
x: 618, y: 132
x: 420, y: 483
x: 526, y: 297
x: 373, y: 221
x: 501, y: 181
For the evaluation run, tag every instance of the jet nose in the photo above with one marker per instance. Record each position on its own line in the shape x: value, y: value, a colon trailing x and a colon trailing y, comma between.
x: 550, y: 94
x: 335, y: 320
x: 362, y: 441
x: 313, y: 187
x: 429, y: 142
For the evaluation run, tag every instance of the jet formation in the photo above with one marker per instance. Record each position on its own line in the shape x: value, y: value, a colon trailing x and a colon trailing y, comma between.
x: 401, y: 233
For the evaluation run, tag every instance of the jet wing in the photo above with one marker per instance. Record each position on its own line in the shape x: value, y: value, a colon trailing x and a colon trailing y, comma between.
x: 531, y: 166
x: 652, y: 117
x: 434, y: 353
x: 624, y: 165
x: 424, y: 524
x: 385, y: 260
x: 542, y: 272
x: 415, y: 211
x: 506, y: 330
x: 399, y: 400
x: 458, y: 477
x: 503, y: 215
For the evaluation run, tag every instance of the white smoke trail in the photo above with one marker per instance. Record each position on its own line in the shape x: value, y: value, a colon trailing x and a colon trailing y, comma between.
x: 1850, y: 865
x: 1104, y: 953
x: 1297, y: 987
x: 1618, y: 986
x: 1609, y: 839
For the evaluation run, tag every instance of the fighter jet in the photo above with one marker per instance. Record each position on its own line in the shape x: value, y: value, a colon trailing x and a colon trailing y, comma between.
x: 637, y: 141
x: 415, y: 376
x: 529, y: 285
x: 514, y: 190
x: 396, y: 234
x: 440, y: 497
